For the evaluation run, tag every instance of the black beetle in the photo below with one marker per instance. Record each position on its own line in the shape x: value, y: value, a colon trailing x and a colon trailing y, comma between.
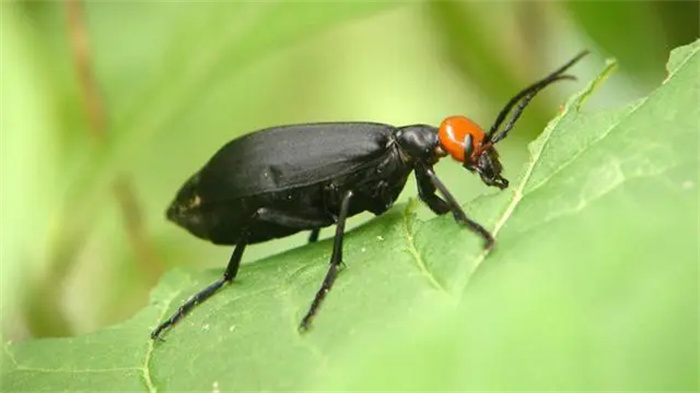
x: 281, y: 180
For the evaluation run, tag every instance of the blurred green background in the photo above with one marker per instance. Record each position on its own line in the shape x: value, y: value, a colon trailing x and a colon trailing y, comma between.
x: 83, y: 236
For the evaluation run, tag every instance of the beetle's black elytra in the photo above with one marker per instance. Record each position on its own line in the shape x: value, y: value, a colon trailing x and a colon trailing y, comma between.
x: 282, y: 180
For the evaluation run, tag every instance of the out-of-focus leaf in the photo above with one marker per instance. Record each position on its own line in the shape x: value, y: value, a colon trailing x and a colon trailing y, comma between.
x: 28, y: 127
x: 679, y: 20
x: 645, y: 39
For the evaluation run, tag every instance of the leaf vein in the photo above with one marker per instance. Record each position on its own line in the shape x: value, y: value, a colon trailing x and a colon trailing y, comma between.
x: 413, y: 251
x: 575, y: 156
x: 21, y: 367
x: 6, y: 349
x: 76, y: 371
x: 587, y: 202
x: 146, y: 368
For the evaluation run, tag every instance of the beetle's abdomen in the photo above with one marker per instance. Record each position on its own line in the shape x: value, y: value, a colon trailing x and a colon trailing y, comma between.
x: 375, y: 188
x: 305, y: 183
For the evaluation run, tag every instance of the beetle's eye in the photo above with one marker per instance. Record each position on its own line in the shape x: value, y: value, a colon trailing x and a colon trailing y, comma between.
x: 454, y: 131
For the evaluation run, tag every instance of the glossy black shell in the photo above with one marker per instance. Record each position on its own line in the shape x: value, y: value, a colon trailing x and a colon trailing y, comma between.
x: 300, y: 171
x: 292, y: 156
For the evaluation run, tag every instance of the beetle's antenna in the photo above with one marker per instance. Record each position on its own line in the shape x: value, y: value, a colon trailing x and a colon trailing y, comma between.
x: 523, y: 98
x: 522, y: 104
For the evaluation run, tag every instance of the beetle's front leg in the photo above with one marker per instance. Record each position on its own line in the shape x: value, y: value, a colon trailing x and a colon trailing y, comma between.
x: 454, y: 207
x: 426, y: 192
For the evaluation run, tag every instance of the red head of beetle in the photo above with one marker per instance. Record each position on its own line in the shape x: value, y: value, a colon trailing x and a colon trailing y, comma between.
x: 466, y: 142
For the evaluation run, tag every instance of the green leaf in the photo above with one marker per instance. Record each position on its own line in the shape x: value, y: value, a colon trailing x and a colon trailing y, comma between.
x: 593, y: 284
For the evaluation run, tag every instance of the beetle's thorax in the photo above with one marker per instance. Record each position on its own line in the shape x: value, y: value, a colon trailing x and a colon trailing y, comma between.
x: 419, y: 142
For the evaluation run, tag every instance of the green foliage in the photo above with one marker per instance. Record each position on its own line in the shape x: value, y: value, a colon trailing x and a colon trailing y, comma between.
x: 593, y: 284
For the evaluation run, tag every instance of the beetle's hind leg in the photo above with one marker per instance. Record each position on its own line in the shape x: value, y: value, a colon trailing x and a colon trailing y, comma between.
x: 335, y: 263
x: 204, y: 294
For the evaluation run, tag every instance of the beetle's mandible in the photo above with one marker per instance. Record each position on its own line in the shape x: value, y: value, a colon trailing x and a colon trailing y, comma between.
x: 279, y: 181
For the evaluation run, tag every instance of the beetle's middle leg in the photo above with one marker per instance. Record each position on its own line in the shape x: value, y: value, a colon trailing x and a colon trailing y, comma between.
x: 230, y: 273
x: 289, y: 220
x: 336, y: 261
x: 313, y: 236
x: 292, y: 221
